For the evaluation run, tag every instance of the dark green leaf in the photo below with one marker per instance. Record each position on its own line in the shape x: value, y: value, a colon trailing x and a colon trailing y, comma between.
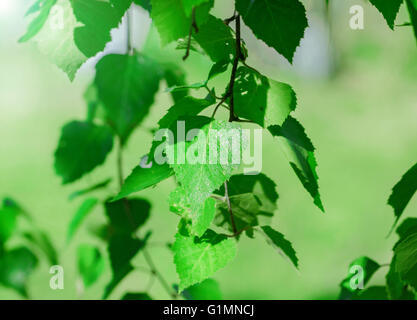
x: 82, y: 147
x: 126, y: 86
x: 412, y: 9
x: 15, y: 268
x: 279, y: 23
x: 283, y: 245
x: 127, y: 215
x: 136, y: 296
x: 122, y: 248
x: 300, y: 153
x: 216, y: 39
x: 389, y: 9
x: 406, y: 259
x: 403, y: 191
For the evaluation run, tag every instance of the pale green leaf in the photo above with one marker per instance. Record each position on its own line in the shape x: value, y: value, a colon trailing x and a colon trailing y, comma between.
x: 82, y: 212
x: 197, y: 259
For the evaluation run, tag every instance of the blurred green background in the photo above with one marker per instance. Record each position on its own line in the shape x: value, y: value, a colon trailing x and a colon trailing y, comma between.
x: 357, y: 99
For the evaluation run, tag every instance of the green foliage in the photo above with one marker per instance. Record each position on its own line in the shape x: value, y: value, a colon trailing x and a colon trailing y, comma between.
x: 210, y: 193
x: 279, y: 23
x: 82, y: 147
x: 17, y: 263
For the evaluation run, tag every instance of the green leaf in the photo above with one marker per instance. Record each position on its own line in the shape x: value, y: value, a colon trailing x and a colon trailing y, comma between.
x: 396, y: 288
x: 89, y: 189
x: 207, y: 290
x: 200, y: 214
x: 200, y: 179
x: 82, y: 212
x: 15, y: 268
x: 126, y: 86
x: 41, y: 240
x: 300, y: 153
x: 406, y: 259
x: 136, y: 296
x: 175, y: 77
x: 188, y: 106
x: 90, y: 264
x: 369, y: 267
x: 82, y: 147
x: 218, y: 68
x: 262, y: 100
x: 412, y: 9
x: 171, y: 20
x: 190, y: 4
x: 389, y: 9
x: 216, y: 39
x: 403, y: 191
x: 127, y: 215
x: 43, y: 7
x: 279, y: 23
x: 197, y: 259
x: 283, y: 245
x: 372, y: 293
x: 260, y: 185
x: 407, y: 227
x: 8, y: 223
x: 122, y: 248
x: 142, y: 178
x: 70, y: 32
x: 248, y: 211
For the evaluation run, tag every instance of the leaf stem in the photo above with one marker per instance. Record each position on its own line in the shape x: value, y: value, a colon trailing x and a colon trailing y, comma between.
x: 229, y: 207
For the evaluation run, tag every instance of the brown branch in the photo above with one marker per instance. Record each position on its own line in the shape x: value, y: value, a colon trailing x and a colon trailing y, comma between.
x: 190, y: 34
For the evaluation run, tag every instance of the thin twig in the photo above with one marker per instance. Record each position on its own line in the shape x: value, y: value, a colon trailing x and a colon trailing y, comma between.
x: 153, y: 270
x: 190, y: 34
